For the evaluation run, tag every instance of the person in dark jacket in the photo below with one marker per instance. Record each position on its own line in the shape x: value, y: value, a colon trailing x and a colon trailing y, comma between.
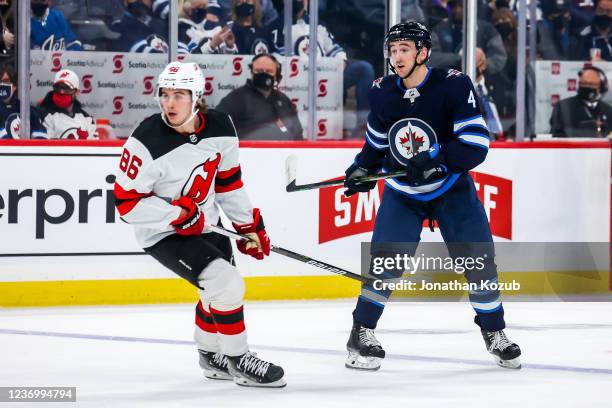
x: 259, y: 110
x: 139, y: 30
x: 584, y: 115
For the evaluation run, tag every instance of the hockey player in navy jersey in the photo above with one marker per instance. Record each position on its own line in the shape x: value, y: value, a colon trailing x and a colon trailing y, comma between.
x: 178, y: 169
x: 427, y: 122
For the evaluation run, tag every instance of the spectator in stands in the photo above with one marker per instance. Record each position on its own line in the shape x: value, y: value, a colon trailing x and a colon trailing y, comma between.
x: 502, y: 85
x: 62, y: 114
x: 597, y: 38
x: 10, y: 122
x: 50, y: 30
x: 7, y: 40
x: 250, y: 36
x: 139, y: 30
x: 259, y: 110
x: 447, y: 44
x: 555, y: 39
x: 357, y: 73
x: 584, y: 115
x: 199, y: 36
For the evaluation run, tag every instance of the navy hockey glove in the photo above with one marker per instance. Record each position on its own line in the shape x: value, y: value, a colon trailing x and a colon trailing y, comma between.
x: 353, y: 173
x: 192, y: 221
x: 424, y: 166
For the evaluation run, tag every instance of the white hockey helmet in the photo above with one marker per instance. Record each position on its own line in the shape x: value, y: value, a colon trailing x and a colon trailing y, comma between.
x: 181, y: 75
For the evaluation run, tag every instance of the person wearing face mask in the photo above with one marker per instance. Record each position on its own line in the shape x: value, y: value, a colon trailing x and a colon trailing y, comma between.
x: 251, y: 37
x: 597, y: 38
x: 259, y: 110
x: 10, y: 121
x: 555, y: 38
x: 198, y: 35
x: 585, y: 114
x: 62, y: 114
x: 139, y: 30
x: 446, y: 43
x: 50, y: 30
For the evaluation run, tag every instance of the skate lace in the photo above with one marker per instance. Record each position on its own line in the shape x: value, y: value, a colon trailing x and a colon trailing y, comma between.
x: 251, y: 363
x: 366, y: 336
x: 499, y: 341
x: 220, y: 360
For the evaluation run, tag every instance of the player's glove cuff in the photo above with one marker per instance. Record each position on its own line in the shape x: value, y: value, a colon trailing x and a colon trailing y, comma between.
x: 259, y: 243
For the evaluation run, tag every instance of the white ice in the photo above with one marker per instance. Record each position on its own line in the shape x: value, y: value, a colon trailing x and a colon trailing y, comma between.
x: 143, y: 356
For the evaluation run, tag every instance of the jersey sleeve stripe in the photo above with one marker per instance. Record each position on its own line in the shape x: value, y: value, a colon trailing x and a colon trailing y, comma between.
x: 226, y: 174
x: 229, y: 187
x: 480, y: 141
x: 125, y: 201
x: 473, y: 121
x: 375, y: 145
x: 376, y: 133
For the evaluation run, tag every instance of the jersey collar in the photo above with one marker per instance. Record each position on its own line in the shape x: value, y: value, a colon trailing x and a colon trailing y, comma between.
x: 401, y: 86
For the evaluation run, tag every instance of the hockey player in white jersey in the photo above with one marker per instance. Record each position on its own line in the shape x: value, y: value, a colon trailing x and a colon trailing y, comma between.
x: 177, y: 169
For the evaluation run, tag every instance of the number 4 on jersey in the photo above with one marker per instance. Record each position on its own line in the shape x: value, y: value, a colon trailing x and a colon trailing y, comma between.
x: 472, y: 100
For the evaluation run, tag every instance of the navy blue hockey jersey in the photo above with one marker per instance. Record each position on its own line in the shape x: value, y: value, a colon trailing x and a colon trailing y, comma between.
x: 442, y: 112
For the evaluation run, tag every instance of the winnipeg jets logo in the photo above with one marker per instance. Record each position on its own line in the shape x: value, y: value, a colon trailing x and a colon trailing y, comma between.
x: 412, y: 94
x: 410, y: 136
x: 377, y: 82
x: 453, y: 72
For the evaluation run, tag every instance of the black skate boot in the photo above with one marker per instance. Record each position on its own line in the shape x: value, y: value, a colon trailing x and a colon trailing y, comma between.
x: 214, y: 365
x: 365, y: 351
x: 505, y: 353
x: 250, y: 371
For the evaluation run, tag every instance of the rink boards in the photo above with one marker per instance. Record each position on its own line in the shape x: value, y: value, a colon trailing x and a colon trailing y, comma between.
x: 61, y: 241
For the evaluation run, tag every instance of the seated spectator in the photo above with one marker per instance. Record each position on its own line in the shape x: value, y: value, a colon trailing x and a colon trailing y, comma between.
x: 584, y: 115
x: 597, y: 38
x: 199, y: 36
x: 556, y: 41
x: 50, y: 31
x: 62, y: 114
x: 259, y: 110
x: 10, y: 121
x: 447, y: 43
x: 357, y: 73
x: 139, y: 30
x: 7, y: 40
x: 251, y: 38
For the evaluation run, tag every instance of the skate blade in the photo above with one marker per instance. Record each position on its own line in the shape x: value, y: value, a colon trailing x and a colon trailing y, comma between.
x: 217, y: 375
x: 245, y: 382
x: 357, y: 362
x: 514, y: 364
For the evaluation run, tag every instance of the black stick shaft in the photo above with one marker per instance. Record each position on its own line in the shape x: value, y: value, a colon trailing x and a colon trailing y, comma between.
x: 294, y: 255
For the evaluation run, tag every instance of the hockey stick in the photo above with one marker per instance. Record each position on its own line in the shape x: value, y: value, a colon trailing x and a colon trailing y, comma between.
x: 294, y: 255
x: 292, y: 186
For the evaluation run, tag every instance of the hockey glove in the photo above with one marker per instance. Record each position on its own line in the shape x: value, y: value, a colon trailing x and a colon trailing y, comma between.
x: 353, y: 174
x: 259, y: 242
x: 424, y: 166
x: 192, y: 221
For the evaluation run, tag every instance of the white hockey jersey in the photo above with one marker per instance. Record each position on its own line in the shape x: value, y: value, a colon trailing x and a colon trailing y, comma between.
x: 159, y: 165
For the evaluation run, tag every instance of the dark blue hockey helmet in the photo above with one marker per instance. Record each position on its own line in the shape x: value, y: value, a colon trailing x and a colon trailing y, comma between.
x: 410, y: 30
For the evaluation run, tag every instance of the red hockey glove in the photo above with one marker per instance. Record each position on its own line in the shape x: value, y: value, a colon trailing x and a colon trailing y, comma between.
x: 191, y: 223
x: 259, y: 243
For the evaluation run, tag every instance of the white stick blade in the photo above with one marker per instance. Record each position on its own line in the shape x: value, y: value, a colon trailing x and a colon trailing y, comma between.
x: 291, y: 168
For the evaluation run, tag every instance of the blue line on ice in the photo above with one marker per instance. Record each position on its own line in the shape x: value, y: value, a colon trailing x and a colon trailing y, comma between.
x: 430, y: 359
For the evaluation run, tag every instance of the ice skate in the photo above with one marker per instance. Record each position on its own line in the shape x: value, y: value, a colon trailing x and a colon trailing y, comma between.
x: 365, y: 351
x: 250, y: 371
x: 214, y: 365
x: 505, y: 353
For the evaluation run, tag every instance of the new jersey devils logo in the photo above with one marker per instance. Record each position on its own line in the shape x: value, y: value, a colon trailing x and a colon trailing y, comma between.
x: 200, y: 179
x: 408, y: 137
